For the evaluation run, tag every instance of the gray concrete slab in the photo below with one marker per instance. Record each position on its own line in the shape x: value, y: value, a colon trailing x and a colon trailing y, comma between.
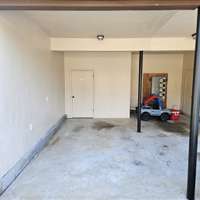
x: 107, y: 159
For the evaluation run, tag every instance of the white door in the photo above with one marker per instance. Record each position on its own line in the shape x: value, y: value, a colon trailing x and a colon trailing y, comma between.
x: 82, y: 93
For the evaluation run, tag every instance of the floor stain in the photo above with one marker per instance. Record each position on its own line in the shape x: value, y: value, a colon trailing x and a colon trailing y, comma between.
x: 138, y: 163
x: 102, y: 125
x: 127, y: 138
x: 55, y: 140
x: 161, y: 153
x: 78, y: 128
x: 165, y: 147
x: 162, y: 135
x: 168, y: 163
x: 121, y: 129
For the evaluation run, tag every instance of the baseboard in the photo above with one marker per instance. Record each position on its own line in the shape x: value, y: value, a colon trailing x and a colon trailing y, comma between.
x: 16, y: 170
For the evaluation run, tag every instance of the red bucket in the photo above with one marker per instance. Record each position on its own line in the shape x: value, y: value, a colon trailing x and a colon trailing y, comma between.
x: 175, y: 115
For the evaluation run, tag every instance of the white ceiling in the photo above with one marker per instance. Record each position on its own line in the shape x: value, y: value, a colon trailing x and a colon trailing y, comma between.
x: 116, y: 24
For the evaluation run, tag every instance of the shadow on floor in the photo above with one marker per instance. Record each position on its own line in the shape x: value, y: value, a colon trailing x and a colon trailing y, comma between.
x: 180, y: 128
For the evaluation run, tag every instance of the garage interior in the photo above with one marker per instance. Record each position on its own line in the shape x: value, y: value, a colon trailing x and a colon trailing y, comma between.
x: 57, y: 147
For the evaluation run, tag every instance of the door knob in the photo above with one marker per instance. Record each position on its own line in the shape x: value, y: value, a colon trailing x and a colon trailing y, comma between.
x: 73, y: 97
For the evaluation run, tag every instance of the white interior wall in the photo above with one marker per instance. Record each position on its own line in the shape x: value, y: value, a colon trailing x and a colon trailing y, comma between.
x: 123, y: 44
x: 111, y: 81
x: 160, y: 62
x: 31, y: 85
x: 186, y: 95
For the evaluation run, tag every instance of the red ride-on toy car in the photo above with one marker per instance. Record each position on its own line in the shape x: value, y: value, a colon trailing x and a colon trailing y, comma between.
x: 153, y: 107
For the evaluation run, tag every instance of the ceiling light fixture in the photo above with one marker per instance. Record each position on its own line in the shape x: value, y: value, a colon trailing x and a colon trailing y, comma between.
x: 100, y: 37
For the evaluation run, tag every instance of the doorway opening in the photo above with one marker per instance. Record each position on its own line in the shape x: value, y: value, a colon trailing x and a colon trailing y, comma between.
x: 155, y: 83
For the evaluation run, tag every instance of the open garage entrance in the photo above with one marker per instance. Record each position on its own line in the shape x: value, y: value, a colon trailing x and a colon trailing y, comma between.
x: 85, y: 64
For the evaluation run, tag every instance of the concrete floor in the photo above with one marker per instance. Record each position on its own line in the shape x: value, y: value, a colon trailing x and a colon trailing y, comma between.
x: 106, y: 159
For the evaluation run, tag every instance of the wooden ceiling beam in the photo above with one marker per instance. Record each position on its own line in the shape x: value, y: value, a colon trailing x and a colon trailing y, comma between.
x: 98, y: 4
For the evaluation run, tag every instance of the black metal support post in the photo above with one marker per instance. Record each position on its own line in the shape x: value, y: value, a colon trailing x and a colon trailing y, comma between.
x: 194, y: 121
x: 139, y: 91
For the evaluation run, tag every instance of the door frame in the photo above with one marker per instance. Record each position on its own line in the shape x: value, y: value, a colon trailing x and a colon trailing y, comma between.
x: 70, y: 92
